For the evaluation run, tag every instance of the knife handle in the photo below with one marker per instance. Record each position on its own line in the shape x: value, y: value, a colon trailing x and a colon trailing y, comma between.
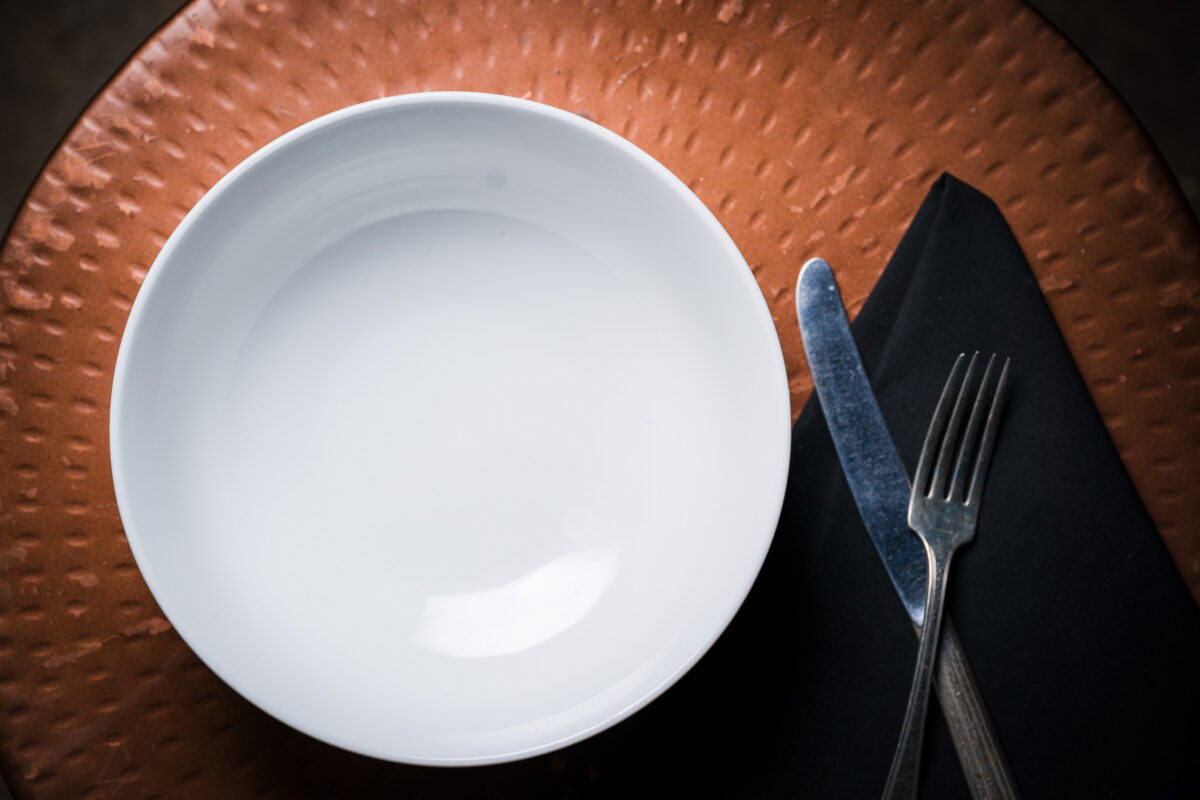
x: 983, y: 762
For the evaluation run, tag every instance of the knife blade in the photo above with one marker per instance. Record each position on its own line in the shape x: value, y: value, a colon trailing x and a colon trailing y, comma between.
x: 864, y: 446
x: 880, y: 487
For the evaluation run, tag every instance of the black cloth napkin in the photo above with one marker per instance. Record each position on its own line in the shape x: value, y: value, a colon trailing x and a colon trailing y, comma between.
x: 1083, y: 637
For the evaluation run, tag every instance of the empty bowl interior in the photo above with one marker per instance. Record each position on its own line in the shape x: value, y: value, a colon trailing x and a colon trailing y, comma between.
x: 450, y: 429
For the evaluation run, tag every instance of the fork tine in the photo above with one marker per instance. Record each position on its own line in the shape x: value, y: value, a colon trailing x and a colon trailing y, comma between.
x: 989, y: 439
x: 966, y: 448
x: 950, y: 437
x: 934, y: 434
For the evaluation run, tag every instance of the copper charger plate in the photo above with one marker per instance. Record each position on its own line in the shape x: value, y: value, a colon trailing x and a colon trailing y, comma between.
x: 808, y: 128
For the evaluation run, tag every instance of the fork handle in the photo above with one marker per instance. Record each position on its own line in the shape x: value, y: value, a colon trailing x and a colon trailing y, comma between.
x: 986, y: 769
x: 902, y: 780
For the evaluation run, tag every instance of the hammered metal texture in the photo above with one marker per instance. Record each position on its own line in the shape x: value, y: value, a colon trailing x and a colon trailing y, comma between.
x: 809, y: 128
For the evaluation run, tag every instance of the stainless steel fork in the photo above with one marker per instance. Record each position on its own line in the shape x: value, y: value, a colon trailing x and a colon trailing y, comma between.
x: 943, y: 511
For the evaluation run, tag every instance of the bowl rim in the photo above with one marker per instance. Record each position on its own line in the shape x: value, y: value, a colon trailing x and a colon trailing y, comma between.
x: 121, y: 390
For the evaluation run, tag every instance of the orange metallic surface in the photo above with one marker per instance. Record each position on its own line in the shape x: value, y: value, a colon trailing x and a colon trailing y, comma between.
x: 809, y: 128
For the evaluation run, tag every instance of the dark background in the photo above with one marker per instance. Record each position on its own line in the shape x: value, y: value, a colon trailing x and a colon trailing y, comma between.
x: 56, y: 54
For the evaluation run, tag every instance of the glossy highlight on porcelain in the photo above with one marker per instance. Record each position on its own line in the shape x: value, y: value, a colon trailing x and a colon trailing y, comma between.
x: 450, y: 428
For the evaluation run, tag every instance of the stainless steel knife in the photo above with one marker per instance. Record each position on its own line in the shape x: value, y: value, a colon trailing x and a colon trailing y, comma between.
x: 881, y: 489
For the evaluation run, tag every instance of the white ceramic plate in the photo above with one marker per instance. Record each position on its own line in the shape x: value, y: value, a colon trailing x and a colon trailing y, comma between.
x: 450, y: 428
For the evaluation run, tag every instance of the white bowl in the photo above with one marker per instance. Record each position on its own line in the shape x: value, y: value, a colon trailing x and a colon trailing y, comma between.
x: 450, y: 428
